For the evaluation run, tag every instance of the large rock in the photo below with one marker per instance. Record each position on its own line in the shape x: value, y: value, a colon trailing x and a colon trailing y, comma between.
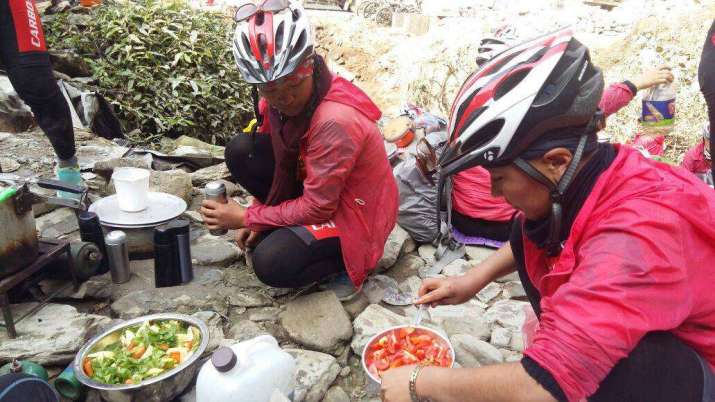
x: 180, y: 299
x: 393, y: 247
x: 407, y: 266
x: 105, y: 168
x: 96, y: 287
x: 214, y: 253
x: 467, y: 325
x: 244, y: 330
x: 176, y: 182
x: 51, y: 336
x: 215, y: 324
x: 426, y: 251
x: 15, y: 115
x: 317, y: 321
x: 471, y: 310
x: 473, y: 352
x: 507, y: 313
x: 489, y: 292
x: 356, y: 305
x: 513, y: 290
x: 57, y: 223
x: 336, y: 394
x: 457, y: 267
x: 374, y: 319
x: 248, y: 298
x: 216, y: 172
x: 315, y: 372
x: 501, y: 337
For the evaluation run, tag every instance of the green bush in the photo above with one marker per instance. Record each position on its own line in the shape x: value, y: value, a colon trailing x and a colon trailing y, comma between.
x: 166, y: 68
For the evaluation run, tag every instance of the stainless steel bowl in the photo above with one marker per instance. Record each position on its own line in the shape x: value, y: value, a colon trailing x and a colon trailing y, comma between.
x: 376, y: 337
x: 161, y: 388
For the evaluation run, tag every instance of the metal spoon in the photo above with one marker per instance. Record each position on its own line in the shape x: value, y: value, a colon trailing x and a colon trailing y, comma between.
x: 418, y: 317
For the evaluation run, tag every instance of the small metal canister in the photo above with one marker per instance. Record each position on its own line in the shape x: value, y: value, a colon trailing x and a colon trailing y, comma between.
x: 216, y: 191
x: 118, y: 256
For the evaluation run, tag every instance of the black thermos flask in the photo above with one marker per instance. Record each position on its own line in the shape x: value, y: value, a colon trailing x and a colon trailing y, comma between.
x: 172, y: 254
x: 90, y: 230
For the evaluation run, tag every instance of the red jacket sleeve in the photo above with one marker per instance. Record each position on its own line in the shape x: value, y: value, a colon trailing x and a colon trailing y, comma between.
x: 629, y: 280
x: 329, y: 158
x: 614, y: 98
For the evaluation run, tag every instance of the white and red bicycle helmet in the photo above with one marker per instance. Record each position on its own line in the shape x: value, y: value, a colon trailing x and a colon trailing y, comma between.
x: 531, y: 89
x: 271, y: 40
x: 543, y: 89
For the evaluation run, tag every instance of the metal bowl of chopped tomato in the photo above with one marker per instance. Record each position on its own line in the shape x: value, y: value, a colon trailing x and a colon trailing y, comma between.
x: 405, y: 345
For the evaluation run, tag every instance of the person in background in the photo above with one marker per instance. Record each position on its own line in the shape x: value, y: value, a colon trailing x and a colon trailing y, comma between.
x: 697, y: 159
x: 605, y: 241
x: 325, y: 199
x: 23, y: 53
x: 706, y: 78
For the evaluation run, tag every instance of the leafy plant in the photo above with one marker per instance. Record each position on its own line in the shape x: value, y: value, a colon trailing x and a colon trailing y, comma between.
x: 166, y: 68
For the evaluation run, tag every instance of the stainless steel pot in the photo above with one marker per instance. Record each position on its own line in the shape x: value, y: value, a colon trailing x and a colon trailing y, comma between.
x: 162, y: 388
x: 18, y: 239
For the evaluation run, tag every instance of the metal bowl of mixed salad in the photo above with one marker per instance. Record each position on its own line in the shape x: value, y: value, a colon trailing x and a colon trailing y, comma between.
x: 147, y: 359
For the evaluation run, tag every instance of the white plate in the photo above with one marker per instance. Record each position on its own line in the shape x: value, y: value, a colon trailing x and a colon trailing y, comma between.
x: 162, y: 207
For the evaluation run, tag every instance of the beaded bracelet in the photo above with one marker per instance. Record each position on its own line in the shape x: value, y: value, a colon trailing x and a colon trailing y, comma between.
x: 413, y: 384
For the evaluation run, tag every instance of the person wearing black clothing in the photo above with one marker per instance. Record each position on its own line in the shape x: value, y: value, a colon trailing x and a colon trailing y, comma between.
x: 706, y: 77
x: 24, y: 56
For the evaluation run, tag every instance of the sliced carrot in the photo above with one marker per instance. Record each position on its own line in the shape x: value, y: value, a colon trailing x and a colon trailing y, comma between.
x: 87, y: 366
x: 129, y: 381
x: 138, y: 351
x: 188, y: 344
x: 176, y: 356
x: 163, y: 346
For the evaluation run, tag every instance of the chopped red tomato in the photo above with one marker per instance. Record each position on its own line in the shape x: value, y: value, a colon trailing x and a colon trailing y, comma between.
x: 406, y: 346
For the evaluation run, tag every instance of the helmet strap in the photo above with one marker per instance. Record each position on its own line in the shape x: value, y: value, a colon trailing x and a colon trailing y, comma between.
x: 556, y: 190
x: 259, y: 119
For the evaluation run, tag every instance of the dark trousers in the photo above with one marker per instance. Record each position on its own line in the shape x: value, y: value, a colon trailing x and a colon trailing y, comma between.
x: 23, y: 55
x: 480, y: 228
x: 706, y: 77
x: 288, y: 257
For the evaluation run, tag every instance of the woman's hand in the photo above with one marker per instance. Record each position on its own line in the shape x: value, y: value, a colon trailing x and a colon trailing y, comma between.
x: 218, y: 215
x: 395, y: 384
x: 651, y: 78
x: 246, y: 238
x: 436, y: 291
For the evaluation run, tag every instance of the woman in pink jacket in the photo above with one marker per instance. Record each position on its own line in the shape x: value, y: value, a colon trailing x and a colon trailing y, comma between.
x: 612, y: 248
x: 325, y: 199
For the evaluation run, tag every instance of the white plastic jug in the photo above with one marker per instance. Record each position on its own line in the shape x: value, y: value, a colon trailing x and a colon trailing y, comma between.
x: 248, y: 371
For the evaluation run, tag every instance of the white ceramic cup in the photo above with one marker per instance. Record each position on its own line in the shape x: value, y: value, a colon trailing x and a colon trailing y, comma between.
x: 132, y: 186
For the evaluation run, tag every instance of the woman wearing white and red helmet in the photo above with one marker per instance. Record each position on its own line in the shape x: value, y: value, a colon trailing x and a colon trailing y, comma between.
x: 612, y: 248
x: 325, y: 199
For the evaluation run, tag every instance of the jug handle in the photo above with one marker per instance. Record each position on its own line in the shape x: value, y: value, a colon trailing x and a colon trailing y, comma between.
x: 243, y: 355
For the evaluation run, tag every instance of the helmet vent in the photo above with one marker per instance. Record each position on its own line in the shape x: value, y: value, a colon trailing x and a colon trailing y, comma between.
x: 483, y: 136
x: 511, y: 82
x: 279, y: 35
x: 299, y: 45
x: 245, y: 42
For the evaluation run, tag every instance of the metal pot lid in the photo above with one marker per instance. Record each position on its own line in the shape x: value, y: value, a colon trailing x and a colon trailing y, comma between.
x: 162, y: 207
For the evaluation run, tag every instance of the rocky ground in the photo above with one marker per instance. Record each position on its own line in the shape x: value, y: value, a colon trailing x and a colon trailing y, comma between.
x: 325, y: 335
